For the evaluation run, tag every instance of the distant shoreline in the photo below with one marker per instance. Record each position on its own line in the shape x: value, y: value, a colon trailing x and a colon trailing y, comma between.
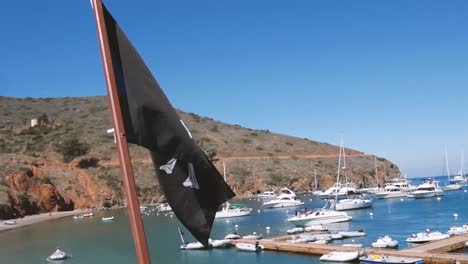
x: 38, y: 218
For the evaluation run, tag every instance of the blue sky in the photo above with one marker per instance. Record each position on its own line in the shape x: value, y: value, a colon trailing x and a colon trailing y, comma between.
x: 392, y: 75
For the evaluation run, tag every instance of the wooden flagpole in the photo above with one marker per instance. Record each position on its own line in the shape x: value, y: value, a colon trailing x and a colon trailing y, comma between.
x: 133, y: 206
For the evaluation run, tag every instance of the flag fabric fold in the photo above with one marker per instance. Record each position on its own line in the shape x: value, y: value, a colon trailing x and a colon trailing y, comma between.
x: 192, y: 185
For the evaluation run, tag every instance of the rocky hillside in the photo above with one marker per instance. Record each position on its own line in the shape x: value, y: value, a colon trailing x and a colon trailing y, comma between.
x: 34, y: 177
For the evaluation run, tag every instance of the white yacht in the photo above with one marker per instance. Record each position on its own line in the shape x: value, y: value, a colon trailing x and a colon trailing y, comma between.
x: 266, y: 195
x: 233, y: 210
x: 426, y: 237
x: 325, y: 215
x: 353, y: 203
x: 391, y: 191
x: 287, y: 192
x: 283, y: 201
x: 427, y: 189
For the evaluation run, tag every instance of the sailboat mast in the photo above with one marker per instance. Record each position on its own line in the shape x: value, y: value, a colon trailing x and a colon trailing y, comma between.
x: 315, y: 177
x: 462, y: 173
x: 224, y: 171
x: 181, y: 236
x: 339, y: 164
x: 375, y: 166
x: 344, y: 163
x: 446, y: 163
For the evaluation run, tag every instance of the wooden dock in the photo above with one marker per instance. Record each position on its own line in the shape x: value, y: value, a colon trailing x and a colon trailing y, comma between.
x: 432, y: 253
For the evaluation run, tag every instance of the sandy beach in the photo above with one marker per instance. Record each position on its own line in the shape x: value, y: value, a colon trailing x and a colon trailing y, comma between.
x: 33, y: 219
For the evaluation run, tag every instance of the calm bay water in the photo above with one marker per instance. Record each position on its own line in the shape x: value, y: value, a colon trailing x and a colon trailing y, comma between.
x: 92, y: 241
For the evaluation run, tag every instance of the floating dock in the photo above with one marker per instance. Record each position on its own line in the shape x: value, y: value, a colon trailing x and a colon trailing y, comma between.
x: 437, y: 252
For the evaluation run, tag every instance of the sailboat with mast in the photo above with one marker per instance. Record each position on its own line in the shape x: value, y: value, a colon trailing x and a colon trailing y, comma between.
x: 316, y: 190
x: 349, y: 203
x: 451, y: 186
x: 232, y: 210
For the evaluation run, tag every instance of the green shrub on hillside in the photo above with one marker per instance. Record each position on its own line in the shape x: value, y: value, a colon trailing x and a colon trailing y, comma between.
x: 72, y: 148
x: 88, y: 163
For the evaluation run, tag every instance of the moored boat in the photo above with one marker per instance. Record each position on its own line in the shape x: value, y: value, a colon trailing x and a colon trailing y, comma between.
x: 283, y: 201
x: 164, y: 208
x: 287, y: 192
x: 325, y: 215
x: 232, y: 210
x: 192, y: 245
x: 10, y: 222
x: 233, y: 236
x: 110, y: 218
x: 391, y: 191
x: 267, y: 195
x: 347, y: 234
x: 385, y: 242
x: 353, y: 203
x: 458, y: 230
x: 426, y: 237
x: 220, y: 243
x: 58, y: 255
x: 340, y: 256
x: 295, y: 230
x: 373, y: 259
x: 427, y: 189
x: 249, y: 247
x: 254, y: 235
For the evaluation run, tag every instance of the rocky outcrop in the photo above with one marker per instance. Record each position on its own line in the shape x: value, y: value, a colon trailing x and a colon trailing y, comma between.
x: 30, y: 195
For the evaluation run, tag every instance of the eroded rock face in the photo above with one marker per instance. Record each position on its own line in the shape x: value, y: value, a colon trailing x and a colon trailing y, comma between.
x: 29, y: 195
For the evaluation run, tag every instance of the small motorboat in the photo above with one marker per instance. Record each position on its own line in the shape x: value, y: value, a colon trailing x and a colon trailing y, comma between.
x: 220, y: 243
x: 426, y: 237
x: 385, y: 242
x: 192, y: 245
x: 347, y: 234
x: 250, y: 247
x: 111, y: 218
x: 253, y: 236
x: 340, y: 256
x: 315, y: 228
x: 78, y: 217
x: 87, y: 214
x: 10, y: 222
x: 58, y: 255
x: 373, y: 259
x: 458, y: 230
x: 233, y: 236
x: 295, y: 230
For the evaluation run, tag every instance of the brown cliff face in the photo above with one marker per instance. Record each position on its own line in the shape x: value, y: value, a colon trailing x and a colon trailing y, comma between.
x: 31, y: 195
